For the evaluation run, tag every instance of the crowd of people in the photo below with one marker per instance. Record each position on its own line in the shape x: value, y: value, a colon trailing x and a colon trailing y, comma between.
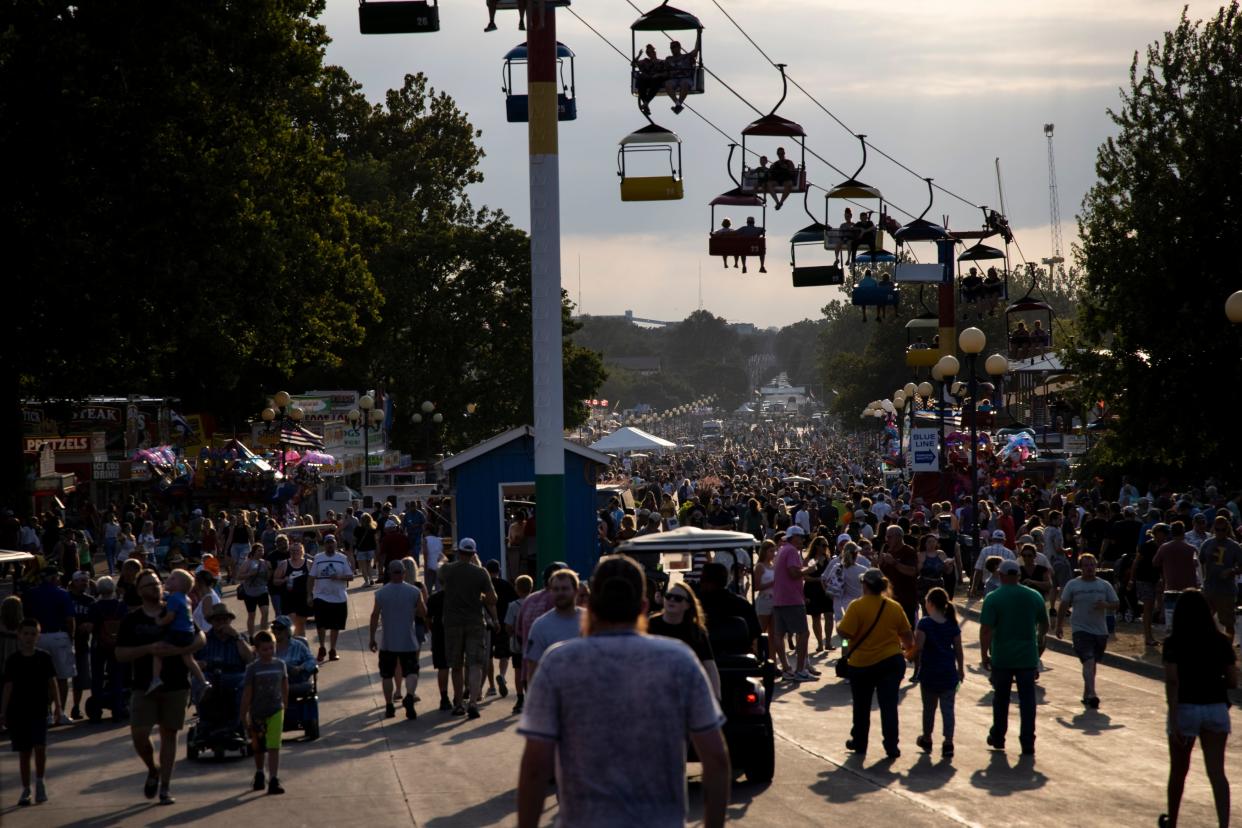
x: 864, y: 566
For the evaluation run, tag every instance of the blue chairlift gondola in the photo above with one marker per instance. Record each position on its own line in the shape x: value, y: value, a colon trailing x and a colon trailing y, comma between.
x: 517, y: 104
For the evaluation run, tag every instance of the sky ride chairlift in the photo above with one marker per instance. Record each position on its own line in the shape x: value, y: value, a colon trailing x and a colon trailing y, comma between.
x: 517, y: 105
x: 738, y: 240
x: 782, y: 177
x: 1029, y: 325
x: 861, y: 242
x: 985, y: 285
x: 922, y: 341
x: 678, y: 75
x: 651, y: 139
x: 807, y: 239
x: 398, y: 16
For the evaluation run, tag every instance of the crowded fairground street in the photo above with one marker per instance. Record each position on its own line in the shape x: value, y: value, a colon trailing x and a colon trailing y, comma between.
x: 389, y: 446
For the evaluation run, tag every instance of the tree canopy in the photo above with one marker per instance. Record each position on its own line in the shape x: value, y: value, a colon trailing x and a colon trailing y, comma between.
x: 1157, y: 233
x: 199, y: 207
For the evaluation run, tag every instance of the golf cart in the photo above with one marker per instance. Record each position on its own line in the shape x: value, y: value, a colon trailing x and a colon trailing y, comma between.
x: 746, y: 679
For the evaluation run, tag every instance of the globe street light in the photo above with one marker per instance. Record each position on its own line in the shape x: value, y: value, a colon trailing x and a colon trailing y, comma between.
x: 1233, y: 307
x: 972, y: 341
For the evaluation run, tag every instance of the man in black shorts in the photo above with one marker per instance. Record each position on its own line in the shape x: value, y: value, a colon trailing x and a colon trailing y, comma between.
x: 397, y: 604
x: 439, y: 657
x: 330, y: 575
x: 783, y: 174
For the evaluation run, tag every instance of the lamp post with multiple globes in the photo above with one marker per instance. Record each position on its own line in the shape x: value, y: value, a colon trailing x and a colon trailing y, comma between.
x: 366, y: 415
x: 278, y: 414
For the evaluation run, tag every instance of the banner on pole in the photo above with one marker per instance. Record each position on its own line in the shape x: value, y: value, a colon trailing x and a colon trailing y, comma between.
x: 924, y: 450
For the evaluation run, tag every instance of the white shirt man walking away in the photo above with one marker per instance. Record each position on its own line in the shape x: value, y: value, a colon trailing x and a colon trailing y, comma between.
x: 620, y: 760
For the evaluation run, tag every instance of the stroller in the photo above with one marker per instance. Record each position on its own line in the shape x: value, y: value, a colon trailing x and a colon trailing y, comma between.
x: 217, y: 725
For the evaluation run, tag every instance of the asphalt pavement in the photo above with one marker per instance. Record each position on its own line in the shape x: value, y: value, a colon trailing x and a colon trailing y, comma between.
x: 1099, y: 768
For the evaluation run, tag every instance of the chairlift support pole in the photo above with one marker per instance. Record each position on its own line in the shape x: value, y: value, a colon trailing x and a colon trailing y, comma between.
x: 545, y: 277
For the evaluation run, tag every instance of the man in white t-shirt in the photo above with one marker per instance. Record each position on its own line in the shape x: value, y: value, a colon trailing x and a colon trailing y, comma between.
x: 996, y: 547
x: 880, y: 508
x: 433, y: 555
x: 330, y: 574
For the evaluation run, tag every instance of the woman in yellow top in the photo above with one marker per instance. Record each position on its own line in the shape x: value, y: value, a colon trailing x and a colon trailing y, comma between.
x: 878, y: 632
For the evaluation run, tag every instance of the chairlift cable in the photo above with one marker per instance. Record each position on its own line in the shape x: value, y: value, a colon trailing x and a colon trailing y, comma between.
x: 829, y: 112
x: 741, y: 98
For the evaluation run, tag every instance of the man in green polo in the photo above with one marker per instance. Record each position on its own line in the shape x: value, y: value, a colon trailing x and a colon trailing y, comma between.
x: 1013, y: 623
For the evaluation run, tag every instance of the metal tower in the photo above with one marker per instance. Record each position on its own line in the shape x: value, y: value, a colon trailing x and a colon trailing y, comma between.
x: 1054, y: 206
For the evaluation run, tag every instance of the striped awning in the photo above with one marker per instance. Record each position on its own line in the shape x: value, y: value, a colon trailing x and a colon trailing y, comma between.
x: 296, y: 435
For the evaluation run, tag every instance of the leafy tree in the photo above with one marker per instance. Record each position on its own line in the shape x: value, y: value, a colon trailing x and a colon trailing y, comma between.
x: 456, y: 280
x: 796, y: 350
x: 1157, y: 233
x: 194, y: 229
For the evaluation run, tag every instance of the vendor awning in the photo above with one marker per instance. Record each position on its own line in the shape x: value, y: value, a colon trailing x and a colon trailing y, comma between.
x: 297, y: 436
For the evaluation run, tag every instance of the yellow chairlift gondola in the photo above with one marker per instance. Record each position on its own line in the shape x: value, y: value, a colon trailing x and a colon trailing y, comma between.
x: 398, y: 16
x: 676, y: 76
x: 851, y: 236
x: 664, y: 143
x: 784, y: 176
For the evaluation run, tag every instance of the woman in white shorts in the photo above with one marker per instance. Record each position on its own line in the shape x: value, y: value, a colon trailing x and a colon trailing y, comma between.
x: 1199, y: 668
x: 765, y: 579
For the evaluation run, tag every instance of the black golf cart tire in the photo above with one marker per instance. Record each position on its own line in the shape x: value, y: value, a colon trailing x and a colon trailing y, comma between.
x: 762, y: 765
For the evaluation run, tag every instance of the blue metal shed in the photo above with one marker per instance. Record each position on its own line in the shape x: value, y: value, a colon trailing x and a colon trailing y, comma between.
x: 483, y: 477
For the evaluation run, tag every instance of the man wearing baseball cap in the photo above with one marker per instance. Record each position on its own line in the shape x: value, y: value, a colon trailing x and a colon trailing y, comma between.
x: 789, y: 603
x: 996, y: 547
x: 468, y: 591
x: 1012, y: 624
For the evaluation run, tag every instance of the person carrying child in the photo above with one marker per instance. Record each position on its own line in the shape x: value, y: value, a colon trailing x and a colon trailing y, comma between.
x: 265, y: 695
x: 180, y: 630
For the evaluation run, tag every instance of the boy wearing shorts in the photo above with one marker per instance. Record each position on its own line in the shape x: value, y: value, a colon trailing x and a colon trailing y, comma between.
x: 180, y: 630
x: 265, y: 695
x: 29, y: 681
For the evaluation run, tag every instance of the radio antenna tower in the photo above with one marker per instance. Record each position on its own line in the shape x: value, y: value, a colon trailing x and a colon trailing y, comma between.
x: 1054, y: 208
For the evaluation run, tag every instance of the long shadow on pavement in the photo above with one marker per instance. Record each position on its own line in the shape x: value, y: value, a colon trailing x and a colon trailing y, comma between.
x: 1089, y: 723
x: 1000, y: 778
x: 927, y: 774
x: 500, y: 807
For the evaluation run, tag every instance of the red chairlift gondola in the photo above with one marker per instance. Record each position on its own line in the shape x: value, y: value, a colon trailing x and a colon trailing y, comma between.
x: 739, y: 241
x: 783, y: 177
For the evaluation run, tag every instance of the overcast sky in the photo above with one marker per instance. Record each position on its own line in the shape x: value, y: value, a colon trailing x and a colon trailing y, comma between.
x: 945, y: 86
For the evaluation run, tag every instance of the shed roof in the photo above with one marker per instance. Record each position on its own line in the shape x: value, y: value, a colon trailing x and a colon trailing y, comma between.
x: 509, y: 436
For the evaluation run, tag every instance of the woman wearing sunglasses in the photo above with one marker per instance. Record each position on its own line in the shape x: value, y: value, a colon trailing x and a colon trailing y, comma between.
x: 684, y: 620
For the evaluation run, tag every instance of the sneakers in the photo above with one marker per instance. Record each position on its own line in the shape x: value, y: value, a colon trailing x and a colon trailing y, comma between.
x: 995, y: 743
x: 1092, y: 702
x: 1042, y: 667
x: 25, y: 797
x: 946, y: 750
x: 789, y: 675
x: 504, y: 686
x: 332, y: 656
x: 472, y: 712
x: 62, y: 719
x: 389, y: 710
x: 491, y: 27
x: 517, y: 708
x: 924, y: 743
x: 803, y: 675
x: 75, y: 713
x: 893, y: 752
x: 323, y: 653
x: 40, y: 791
x: 445, y: 704
x: 152, y: 784
x: 260, y: 782
x: 166, y: 797
x: 855, y: 747
x: 274, y: 788
x: 459, y: 710
x: 408, y: 704
x: 491, y: 691
x: 814, y: 672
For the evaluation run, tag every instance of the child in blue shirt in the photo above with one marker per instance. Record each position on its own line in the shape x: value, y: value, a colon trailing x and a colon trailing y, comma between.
x: 180, y: 632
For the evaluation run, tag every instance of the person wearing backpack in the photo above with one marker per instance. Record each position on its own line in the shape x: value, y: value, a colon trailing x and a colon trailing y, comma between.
x: 107, y: 675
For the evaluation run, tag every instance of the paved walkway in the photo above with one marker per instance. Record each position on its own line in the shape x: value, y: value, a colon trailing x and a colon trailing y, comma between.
x: 1104, y: 768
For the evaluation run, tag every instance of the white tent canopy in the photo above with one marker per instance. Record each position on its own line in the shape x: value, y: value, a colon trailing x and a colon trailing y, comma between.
x: 631, y: 439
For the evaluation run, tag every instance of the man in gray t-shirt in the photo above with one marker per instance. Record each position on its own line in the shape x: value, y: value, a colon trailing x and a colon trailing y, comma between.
x: 1221, y: 558
x: 1092, y: 600
x: 397, y: 604
x: 561, y: 623
x: 618, y: 751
